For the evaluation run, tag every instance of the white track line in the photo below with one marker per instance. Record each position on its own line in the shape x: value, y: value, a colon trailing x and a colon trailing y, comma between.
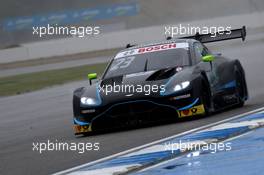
x: 157, y: 141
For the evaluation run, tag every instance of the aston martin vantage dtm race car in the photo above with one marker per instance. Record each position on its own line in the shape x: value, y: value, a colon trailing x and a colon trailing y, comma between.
x: 173, y: 79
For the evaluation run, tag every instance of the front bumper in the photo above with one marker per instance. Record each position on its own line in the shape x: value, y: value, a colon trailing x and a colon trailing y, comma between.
x: 137, y: 111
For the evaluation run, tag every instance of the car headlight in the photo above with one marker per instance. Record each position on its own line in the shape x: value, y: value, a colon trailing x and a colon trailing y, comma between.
x: 88, y: 101
x: 181, y: 86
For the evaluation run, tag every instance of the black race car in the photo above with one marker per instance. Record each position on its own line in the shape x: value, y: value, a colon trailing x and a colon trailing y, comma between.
x: 168, y: 80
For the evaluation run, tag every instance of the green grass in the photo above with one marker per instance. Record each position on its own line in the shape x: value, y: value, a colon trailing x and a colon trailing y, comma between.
x: 23, y: 83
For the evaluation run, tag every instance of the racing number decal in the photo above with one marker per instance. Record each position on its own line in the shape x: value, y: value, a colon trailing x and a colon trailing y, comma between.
x: 127, y: 62
x: 118, y: 62
x: 122, y: 63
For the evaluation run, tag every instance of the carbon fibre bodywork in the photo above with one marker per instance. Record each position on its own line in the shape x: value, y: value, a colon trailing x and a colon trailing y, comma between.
x: 212, y: 86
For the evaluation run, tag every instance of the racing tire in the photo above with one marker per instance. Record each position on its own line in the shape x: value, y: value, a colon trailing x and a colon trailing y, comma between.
x: 206, y: 98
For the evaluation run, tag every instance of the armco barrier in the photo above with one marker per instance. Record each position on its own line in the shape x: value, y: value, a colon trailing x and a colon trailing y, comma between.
x: 118, y: 39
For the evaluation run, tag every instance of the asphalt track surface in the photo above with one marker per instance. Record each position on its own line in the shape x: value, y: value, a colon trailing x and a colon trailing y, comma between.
x: 47, y: 115
x: 54, y: 66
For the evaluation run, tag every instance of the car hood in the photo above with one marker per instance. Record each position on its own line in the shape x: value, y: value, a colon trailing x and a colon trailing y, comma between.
x: 143, y: 80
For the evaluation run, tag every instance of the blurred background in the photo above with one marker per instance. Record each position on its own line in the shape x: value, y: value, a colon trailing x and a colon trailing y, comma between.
x: 38, y: 75
x: 18, y: 16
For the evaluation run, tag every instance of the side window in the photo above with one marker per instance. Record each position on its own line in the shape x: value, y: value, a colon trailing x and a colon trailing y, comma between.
x: 200, y: 51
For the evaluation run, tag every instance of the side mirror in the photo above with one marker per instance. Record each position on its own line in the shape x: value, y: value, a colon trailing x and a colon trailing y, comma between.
x: 91, y: 77
x: 208, y: 58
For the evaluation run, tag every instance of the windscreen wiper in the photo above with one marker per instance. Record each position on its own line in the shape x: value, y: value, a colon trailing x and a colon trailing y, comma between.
x: 146, y: 65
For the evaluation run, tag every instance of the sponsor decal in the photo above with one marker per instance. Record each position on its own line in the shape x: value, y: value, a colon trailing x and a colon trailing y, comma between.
x: 88, y: 111
x: 81, y: 129
x: 154, y: 48
x: 196, y: 110
x: 181, y: 97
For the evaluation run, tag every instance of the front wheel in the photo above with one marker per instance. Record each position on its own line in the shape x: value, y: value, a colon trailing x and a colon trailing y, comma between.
x: 240, y: 89
x: 206, y: 98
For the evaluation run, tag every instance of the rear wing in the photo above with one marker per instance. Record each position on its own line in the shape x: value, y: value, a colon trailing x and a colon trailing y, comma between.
x: 214, y: 37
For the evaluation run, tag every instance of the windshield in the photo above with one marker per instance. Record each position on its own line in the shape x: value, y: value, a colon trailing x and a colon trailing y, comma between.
x: 155, y: 60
